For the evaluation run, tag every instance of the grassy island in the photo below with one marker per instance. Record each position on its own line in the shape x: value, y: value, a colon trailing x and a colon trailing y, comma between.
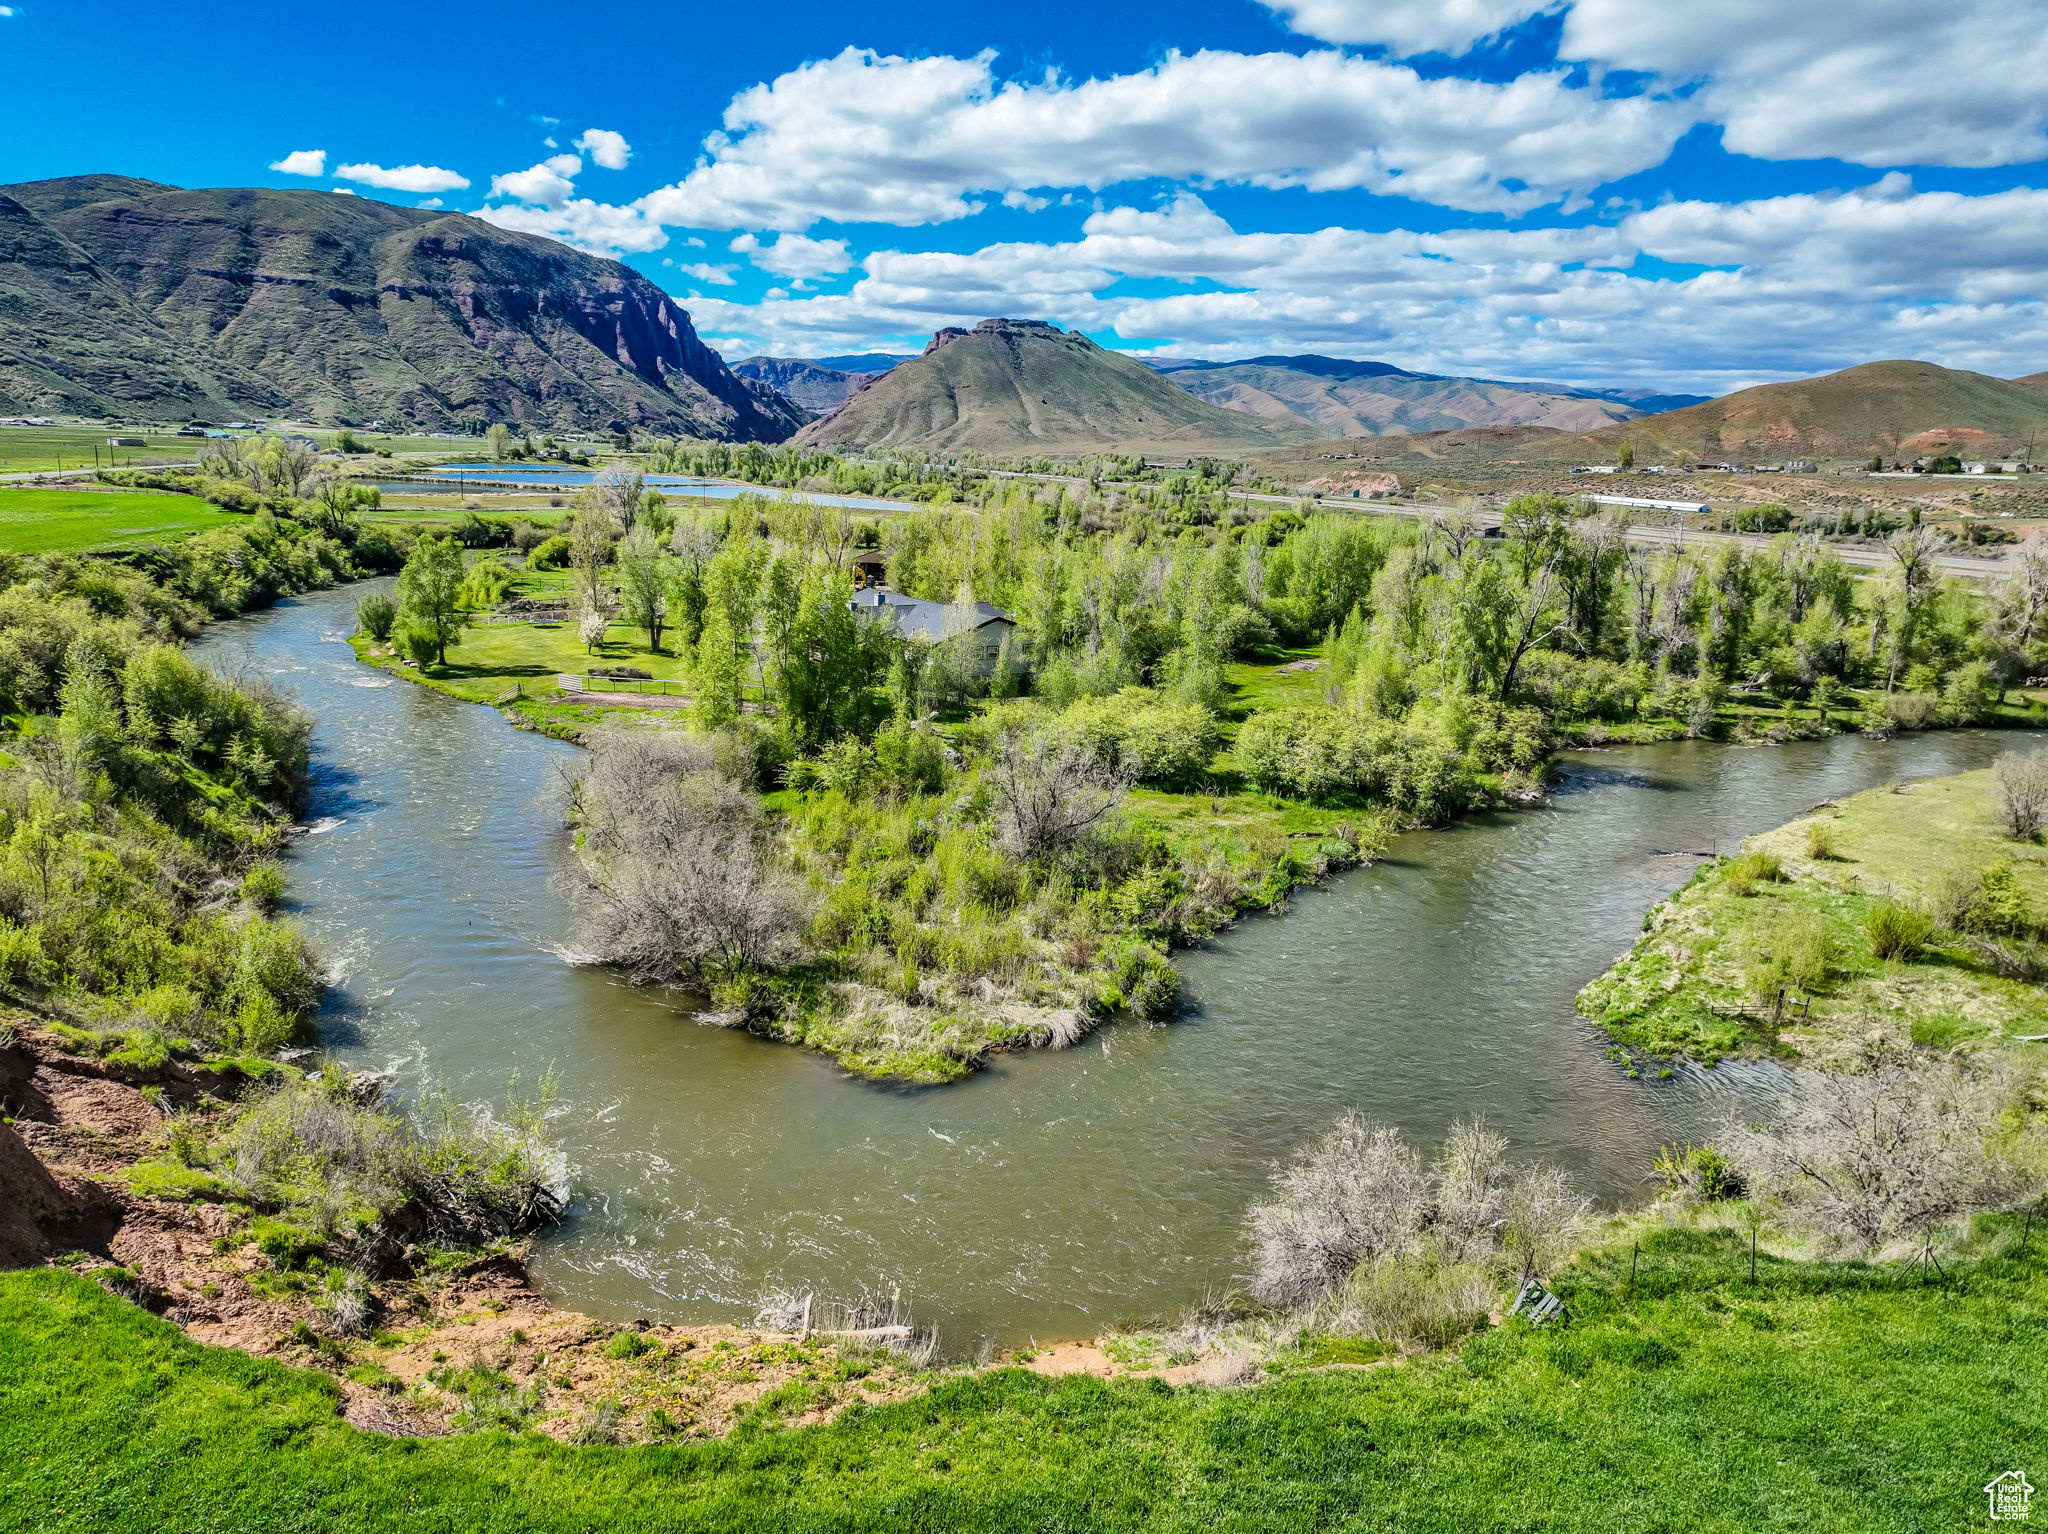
x: 1906, y: 911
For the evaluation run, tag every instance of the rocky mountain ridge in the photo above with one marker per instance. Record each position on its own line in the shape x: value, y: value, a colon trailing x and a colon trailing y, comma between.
x: 129, y: 298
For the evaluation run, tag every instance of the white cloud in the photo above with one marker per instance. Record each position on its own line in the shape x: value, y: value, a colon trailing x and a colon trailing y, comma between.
x: 403, y: 178
x: 1820, y: 283
x: 302, y: 162
x: 605, y: 148
x: 601, y: 228
x: 1876, y: 82
x: 864, y: 137
x: 8, y: 11
x: 1407, y: 26
x: 794, y: 255
x: 548, y: 184
x: 704, y: 271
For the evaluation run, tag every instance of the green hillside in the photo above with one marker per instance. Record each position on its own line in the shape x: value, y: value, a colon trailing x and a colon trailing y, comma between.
x: 1024, y: 386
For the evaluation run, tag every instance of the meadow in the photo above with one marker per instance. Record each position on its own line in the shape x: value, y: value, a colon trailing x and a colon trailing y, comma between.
x: 32, y: 449
x: 1682, y: 1393
x: 87, y: 521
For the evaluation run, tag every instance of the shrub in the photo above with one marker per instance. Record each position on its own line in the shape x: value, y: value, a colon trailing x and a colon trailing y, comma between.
x: 418, y: 644
x: 375, y: 614
x: 2001, y: 907
x: 2022, y: 785
x: 1697, y: 1173
x: 263, y: 887
x: 1891, y: 1155
x: 551, y: 553
x: 1744, y: 872
x: 627, y: 1345
x: 1820, y: 841
x: 1897, y: 930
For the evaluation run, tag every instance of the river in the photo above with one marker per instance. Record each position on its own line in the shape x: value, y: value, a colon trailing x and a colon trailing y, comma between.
x: 1056, y: 1192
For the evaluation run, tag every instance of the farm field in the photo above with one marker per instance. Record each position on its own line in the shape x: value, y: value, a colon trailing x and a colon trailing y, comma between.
x: 88, y: 521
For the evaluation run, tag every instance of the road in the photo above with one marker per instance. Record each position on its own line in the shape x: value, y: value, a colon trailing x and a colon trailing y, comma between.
x: 88, y: 470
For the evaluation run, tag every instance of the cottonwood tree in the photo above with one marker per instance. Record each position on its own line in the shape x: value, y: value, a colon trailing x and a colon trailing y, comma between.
x: 430, y: 593
x: 1887, y: 1156
x: 1051, y: 797
x: 678, y: 874
x: 647, y: 574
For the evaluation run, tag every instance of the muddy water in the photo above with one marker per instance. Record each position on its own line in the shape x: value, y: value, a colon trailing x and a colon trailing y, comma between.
x: 1056, y: 1192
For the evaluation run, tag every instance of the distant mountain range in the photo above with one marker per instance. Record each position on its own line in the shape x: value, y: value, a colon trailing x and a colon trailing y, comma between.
x: 1341, y: 398
x: 1335, y: 396
x: 128, y: 298
x: 1023, y: 386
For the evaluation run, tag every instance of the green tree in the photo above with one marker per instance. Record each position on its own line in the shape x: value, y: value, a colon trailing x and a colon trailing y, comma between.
x: 430, y: 592
x: 719, y: 682
x: 1626, y: 458
x: 498, y: 442
x: 647, y: 573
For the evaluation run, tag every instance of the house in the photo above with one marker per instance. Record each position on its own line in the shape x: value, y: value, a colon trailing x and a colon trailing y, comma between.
x: 1801, y: 466
x: 978, y: 628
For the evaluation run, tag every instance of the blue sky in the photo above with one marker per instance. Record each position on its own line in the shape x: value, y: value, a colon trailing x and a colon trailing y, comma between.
x: 1699, y: 196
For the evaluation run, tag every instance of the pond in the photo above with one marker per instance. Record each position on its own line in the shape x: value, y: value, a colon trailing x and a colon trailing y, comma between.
x: 1056, y: 1192
x: 488, y: 477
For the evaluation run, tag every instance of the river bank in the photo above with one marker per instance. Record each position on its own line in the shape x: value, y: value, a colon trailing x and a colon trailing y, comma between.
x: 1853, y: 926
x: 448, y: 1340
x: 1056, y: 1194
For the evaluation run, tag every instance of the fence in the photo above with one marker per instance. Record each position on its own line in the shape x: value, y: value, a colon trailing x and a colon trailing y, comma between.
x: 658, y: 686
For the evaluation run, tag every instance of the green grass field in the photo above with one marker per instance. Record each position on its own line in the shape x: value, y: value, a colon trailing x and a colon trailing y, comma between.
x: 30, y: 449
x: 1690, y: 983
x: 1818, y: 1398
x: 79, y: 521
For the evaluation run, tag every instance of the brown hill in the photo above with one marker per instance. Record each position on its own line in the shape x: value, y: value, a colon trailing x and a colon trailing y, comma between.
x: 126, y: 297
x: 2038, y: 382
x: 1025, y: 386
x: 1888, y: 407
x: 1371, y: 399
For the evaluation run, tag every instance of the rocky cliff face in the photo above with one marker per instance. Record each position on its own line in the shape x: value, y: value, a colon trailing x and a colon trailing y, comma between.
x: 344, y: 309
x: 808, y: 385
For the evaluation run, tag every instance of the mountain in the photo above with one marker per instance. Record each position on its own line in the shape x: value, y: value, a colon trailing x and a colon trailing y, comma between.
x: 810, y: 387
x: 861, y: 362
x: 127, y: 297
x: 2038, y: 382
x: 1889, y: 407
x: 1024, y: 386
x: 1341, y: 398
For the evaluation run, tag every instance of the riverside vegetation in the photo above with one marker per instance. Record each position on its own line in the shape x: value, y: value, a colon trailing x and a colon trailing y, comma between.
x: 1200, y: 706
x: 1914, y: 913
x: 1698, y: 1379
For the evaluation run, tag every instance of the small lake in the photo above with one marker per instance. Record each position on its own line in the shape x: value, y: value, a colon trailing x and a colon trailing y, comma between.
x: 488, y: 477
x: 1057, y: 1192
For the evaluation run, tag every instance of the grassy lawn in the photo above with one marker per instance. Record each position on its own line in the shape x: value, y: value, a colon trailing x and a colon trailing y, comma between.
x: 37, y: 521
x: 1701, y: 981
x: 1819, y: 1397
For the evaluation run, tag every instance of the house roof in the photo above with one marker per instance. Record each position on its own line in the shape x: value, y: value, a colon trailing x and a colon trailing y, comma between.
x: 930, y: 620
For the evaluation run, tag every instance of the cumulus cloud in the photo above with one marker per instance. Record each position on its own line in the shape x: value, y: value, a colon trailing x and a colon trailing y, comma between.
x: 869, y: 138
x: 605, y: 148
x: 403, y: 178
x: 302, y: 162
x: 548, y: 184
x: 705, y: 272
x: 794, y: 255
x: 1877, y: 82
x: 1407, y: 26
x: 601, y: 228
x: 1795, y: 285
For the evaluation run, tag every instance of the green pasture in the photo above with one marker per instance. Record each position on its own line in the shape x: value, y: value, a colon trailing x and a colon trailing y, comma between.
x: 83, y: 521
